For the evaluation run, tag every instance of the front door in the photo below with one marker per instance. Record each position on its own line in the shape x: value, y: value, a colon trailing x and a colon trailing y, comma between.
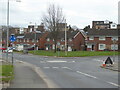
x: 92, y: 47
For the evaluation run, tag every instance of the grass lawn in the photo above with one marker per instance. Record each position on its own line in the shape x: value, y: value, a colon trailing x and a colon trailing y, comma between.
x: 73, y: 53
x: 6, y: 71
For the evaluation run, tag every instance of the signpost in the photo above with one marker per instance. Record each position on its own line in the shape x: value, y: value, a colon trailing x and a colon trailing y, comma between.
x: 58, y: 48
x: 12, y: 39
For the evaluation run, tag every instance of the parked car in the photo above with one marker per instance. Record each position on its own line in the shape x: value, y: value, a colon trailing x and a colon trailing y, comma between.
x: 3, y: 48
x: 9, y: 50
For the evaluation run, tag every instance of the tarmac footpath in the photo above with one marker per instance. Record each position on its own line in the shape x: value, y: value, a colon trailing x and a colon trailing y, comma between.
x: 26, y: 77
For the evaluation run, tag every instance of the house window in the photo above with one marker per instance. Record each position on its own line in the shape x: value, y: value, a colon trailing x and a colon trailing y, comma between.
x: 70, y: 40
x: 33, y: 40
x: 113, y: 25
x: 24, y: 40
x: 89, y: 46
x: 30, y: 29
x: 48, y: 39
x: 53, y: 46
x: 101, y: 38
x: 114, y: 47
x: 27, y: 40
x: 17, y: 40
x: 115, y: 38
x: 102, y: 46
x: 62, y: 40
x: 37, y: 40
x: 20, y: 40
x: 91, y: 38
x: 62, y: 47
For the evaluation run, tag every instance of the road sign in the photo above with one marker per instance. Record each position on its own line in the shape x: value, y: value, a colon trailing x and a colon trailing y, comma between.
x: 12, y: 38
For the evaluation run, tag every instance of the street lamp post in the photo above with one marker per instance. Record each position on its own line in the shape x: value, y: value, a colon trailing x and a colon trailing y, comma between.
x: 8, y: 5
x: 114, y: 41
x: 7, y: 29
x: 65, y: 39
x: 35, y: 28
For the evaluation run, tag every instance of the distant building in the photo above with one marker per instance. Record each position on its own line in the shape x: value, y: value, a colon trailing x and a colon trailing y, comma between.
x: 75, y: 41
x: 33, y: 28
x: 103, y: 25
x: 101, y: 40
x: 31, y: 39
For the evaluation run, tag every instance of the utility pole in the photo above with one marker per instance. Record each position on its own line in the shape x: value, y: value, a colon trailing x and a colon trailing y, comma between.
x: 7, y: 39
x: 7, y: 30
x: 114, y: 41
x: 65, y: 39
x: 35, y: 27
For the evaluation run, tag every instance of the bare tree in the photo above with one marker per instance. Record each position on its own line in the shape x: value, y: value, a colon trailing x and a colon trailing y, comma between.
x: 52, y: 20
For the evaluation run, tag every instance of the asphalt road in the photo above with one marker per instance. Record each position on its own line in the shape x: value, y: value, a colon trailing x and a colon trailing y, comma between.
x: 74, y: 72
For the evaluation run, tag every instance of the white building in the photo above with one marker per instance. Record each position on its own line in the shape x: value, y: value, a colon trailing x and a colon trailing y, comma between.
x: 113, y: 26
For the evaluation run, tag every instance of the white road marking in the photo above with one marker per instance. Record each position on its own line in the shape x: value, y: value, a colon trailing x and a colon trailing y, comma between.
x: 114, y: 84
x: 55, y: 67
x: 46, y: 67
x: 67, y: 68
x: 42, y: 61
x: 86, y: 74
x: 73, y: 61
x: 97, y: 60
x: 56, y: 61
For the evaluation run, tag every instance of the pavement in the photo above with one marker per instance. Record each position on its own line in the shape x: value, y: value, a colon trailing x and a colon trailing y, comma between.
x: 26, y: 77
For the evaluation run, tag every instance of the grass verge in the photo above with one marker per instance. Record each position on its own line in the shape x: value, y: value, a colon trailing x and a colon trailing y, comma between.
x: 6, y: 72
x: 73, y: 53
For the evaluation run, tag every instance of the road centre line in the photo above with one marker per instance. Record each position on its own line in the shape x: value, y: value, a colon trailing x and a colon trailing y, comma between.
x: 67, y: 68
x: 114, y: 84
x: 86, y: 74
x: 96, y: 78
x: 56, y: 61
x: 46, y: 67
x: 55, y: 67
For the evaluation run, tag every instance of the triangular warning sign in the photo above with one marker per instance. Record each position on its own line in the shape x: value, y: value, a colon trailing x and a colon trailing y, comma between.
x: 108, y: 61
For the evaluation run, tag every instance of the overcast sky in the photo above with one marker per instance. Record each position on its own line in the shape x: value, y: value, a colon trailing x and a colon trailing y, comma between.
x: 77, y: 12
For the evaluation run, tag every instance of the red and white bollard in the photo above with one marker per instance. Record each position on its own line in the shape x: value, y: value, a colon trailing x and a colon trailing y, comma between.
x: 104, y: 65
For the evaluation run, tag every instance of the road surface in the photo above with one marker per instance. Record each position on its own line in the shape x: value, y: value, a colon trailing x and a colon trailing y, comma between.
x: 73, y: 72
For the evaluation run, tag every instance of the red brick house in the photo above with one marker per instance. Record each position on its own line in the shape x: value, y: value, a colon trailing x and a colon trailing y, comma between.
x: 101, y: 40
x: 31, y: 39
x: 75, y: 41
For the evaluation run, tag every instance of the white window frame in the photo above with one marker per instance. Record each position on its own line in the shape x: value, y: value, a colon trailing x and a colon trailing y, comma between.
x: 91, y: 38
x: 70, y: 39
x: 53, y: 46
x: 37, y: 40
x: 17, y: 40
x: 31, y: 30
x: 114, y: 45
x: 27, y: 40
x: 33, y: 40
x: 62, y: 47
x: 20, y: 40
x: 115, y: 38
x: 89, y: 46
x: 24, y: 40
x: 103, y: 47
x: 48, y: 39
x: 102, y: 38
x: 62, y: 40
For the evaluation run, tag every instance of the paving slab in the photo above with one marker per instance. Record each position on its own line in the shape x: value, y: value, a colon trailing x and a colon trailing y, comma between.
x: 26, y: 77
